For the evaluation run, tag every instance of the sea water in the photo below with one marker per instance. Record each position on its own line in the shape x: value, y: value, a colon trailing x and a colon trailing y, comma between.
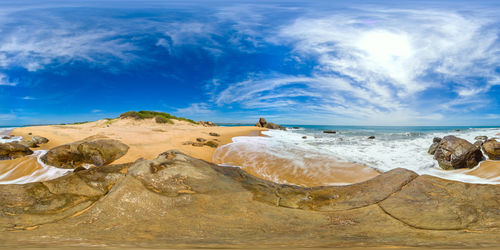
x: 393, y: 147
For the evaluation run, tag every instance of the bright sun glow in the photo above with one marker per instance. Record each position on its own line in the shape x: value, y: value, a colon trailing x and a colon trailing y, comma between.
x: 383, y: 46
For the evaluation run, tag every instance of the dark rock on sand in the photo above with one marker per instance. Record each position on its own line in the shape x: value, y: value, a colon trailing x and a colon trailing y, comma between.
x: 13, y: 150
x: 187, y: 143
x: 201, y: 140
x: 211, y: 144
x: 207, y: 124
x: 78, y: 169
x: 39, y: 140
x: 6, y: 137
x: 492, y: 149
x: 434, y: 145
x: 213, y: 134
x: 197, y: 144
x: 29, y: 144
x: 371, y: 137
x: 329, y: 132
x: 94, y: 151
x: 453, y: 153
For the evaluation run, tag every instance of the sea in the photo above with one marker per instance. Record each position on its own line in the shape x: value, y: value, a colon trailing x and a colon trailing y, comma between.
x: 393, y: 147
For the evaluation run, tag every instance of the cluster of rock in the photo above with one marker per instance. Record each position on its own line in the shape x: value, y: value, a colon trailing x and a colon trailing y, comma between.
x: 200, y: 142
x: 264, y: 124
x: 207, y: 124
x: 12, y: 150
x: 452, y: 152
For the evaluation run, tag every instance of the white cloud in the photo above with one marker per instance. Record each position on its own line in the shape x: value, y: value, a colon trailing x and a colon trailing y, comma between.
x: 373, y: 64
x: 195, y: 109
x: 4, y: 80
x: 29, y: 98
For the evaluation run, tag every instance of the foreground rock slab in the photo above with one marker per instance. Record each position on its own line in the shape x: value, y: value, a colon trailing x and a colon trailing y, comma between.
x: 178, y: 201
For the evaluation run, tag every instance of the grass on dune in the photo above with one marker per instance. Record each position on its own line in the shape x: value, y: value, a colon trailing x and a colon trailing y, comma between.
x: 160, y: 117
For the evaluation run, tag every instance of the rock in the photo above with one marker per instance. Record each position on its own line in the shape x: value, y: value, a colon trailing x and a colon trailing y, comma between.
x: 29, y: 144
x: 6, y: 137
x: 271, y: 125
x: 258, y: 125
x: 262, y: 121
x: 207, y: 124
x: 434, y: 145
x: 492, y: 149
x: 187, y: 143
x: 197, y: 144
x: 329, y: 132
x: 213, y: 134
x: 304, y: 137
x: 39, y: 140
x: 371, y: 137
x: 432, y: 203
x: 457, y: 130
x: 201, y: 140
x: 78, y: 169
x: 177, y: 201
x: 478, y: 144
x: 98, y: 152
x: 30, y: 133
x: 13, y: 150
x: 453, y: 153
x: 211, y: 144
x: 295, y: 127
x: 481, y: 138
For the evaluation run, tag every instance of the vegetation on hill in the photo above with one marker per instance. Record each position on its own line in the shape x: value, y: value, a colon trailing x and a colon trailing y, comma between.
x: 160, y: 117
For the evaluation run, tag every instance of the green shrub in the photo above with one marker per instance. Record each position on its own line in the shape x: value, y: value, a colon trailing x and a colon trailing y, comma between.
x: 160, y: 117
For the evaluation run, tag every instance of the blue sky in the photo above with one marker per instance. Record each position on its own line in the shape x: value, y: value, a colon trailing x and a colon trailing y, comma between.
x: 294, y: 62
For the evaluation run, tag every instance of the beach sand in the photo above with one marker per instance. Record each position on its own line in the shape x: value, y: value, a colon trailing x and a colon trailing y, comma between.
x: 147, y: 139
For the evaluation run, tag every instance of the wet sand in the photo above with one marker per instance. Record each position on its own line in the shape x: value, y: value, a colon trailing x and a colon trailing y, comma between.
x: 306, y: 171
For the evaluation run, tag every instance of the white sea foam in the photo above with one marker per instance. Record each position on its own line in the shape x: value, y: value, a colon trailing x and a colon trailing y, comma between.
x: 44, y: 173
x: 5, y: 132
x: 387, y: 151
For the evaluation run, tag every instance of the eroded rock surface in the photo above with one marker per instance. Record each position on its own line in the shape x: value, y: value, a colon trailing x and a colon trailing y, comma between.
x: 178, y: 201
x: 492, y: 149
x: 94, y: 151
x: 13, y: 150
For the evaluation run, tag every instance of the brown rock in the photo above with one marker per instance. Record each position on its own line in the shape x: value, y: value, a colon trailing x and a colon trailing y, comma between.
x: 453, y: 153
x: 329, y: 132
x: 304, y: 137
x: 6, y: 137
x: 435, y: 144
x: 197, y: 144
x: 39, y: 140
x: 432, y: 203
x: 96, y: 151
x: 481, y: 138
x: 29, y: 144
x: 371, y: 137
x: 211, y: 144
x: 213, y: 134
x: 492, y: 149
x: 201, y: 140
x: 13, y: 150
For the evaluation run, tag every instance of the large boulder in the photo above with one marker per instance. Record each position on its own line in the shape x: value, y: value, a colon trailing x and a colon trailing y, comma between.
x: 39, y: 140
x: 98, y: 152
x: 13, y: 150
x: 492, y: 149
x: 435, y: 144
x: 453, y: 153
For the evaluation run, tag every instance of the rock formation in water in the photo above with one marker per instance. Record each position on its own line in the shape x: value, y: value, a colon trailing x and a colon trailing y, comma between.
x: 95, y: 151
x: 264, y: 124
x: 453, y: 153
x: 12, y: 150
x: 492, y: 149
x: 434, y: 145
x: 178, y: 201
